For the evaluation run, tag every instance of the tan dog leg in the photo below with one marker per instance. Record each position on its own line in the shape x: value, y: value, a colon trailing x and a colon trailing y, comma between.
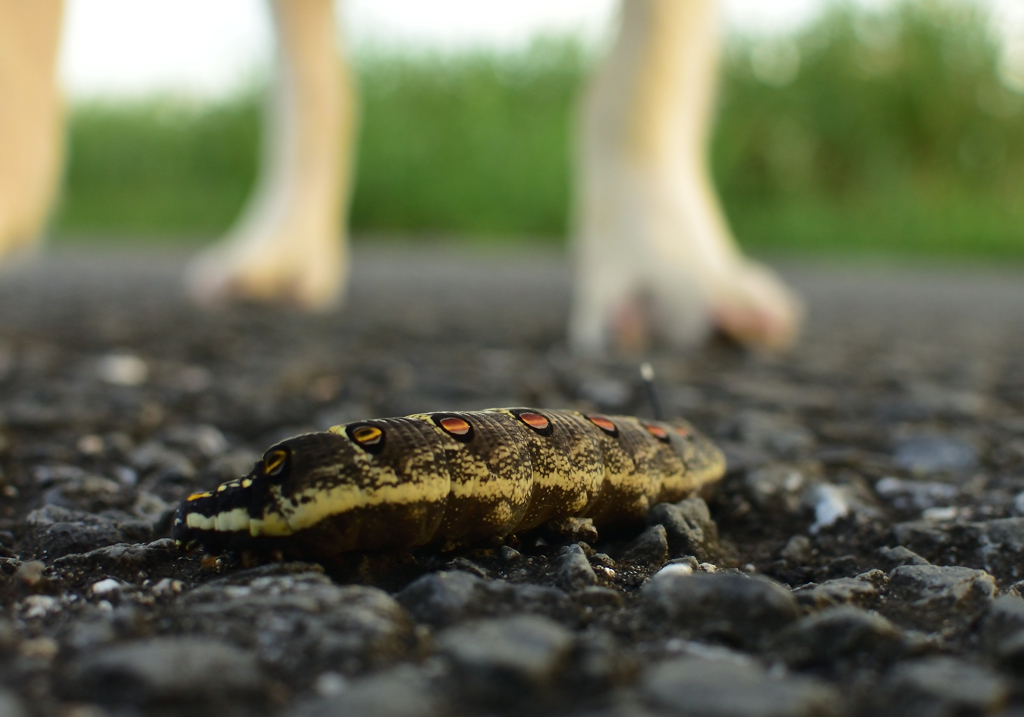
x: 30, y: 118
x: 290, y: 244
x: 653, y: 250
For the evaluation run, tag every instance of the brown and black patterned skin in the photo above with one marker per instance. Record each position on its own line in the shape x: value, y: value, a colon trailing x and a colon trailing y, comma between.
x: 448, y: 477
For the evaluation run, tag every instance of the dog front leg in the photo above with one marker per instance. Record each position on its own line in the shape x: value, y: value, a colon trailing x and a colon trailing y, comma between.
x: 290, y: 245
x: 31, y: 137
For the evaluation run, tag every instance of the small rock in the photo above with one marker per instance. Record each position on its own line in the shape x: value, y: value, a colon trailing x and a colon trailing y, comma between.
x: 123, y: 557
x: 1002, y: 629
x: 936, y: 454
x: 55, y: 531
x: 839, y: 637
x: 996, y: 546
x: 122, y: 369
x: 294, y: 621
x: 894, y: 557
x: 830, y: 503
x: 737, y: 608
x: 178, y: 669
x: 775, y: 488
x: 719, y: 688
x: 915, y: 495
x: 35, y: 606
x: 689, y: 528
x: 573, y: 530
x: 402, y: 691
x: 504, y: 661
x: 446, y: 598
x: 206, y: 440
x: 572, y: 569
x: 168, y: 464
x: 650, y: 548
x: 596, y: 597
x: 106, y: 587
x: 944, y: 686
x: 798, y: 549
x: 10, y: 705
x: 30, y: 573
x: 929, y: 596
x: 861, y: 590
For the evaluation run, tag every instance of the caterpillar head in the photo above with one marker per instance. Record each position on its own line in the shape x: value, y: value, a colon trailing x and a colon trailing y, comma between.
x: 261, y: 507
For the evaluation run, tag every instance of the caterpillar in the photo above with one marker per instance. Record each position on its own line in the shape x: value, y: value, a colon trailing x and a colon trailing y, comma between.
x: 447, y: 477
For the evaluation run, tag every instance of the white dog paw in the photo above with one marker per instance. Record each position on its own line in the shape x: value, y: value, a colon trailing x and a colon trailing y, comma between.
x: 278, y: 269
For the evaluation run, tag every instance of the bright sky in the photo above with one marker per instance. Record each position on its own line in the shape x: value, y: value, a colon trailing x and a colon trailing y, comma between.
x: 127, y: 47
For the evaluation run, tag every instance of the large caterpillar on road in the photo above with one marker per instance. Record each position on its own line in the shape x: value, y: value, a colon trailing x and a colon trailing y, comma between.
x: 448, y: 477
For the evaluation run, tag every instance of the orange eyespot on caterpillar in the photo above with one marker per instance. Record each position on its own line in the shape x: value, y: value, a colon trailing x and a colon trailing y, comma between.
x: 456, y: 427
x: 605, y: 424
x: 657, y: 431
x: 534, y: 420
x: 273, y: 462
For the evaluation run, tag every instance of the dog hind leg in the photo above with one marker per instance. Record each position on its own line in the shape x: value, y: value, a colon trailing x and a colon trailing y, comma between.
x: 648, y: 222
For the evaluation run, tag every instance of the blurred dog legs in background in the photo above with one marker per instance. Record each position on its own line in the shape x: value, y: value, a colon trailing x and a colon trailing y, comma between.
x: 654, y: 255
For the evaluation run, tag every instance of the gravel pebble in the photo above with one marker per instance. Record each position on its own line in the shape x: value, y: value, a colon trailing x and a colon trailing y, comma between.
x: 506, y: 660
x: 736, y: 608
x: 926, y: 595
x: 691, y: 686
x: 171, y: 669
x: 688, y: 528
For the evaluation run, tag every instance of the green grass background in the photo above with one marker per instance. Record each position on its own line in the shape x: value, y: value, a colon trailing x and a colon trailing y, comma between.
x: 895, y: 135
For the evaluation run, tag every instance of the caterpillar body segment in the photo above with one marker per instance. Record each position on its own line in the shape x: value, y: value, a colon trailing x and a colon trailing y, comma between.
x: 448, y: 477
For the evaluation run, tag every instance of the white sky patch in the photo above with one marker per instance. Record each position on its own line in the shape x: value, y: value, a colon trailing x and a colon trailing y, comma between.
x: 210, y: 47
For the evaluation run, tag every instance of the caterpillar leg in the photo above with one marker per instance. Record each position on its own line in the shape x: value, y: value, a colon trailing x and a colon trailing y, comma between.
x: 649, y: 228
x: 290, y: 244
x: 31, y: 144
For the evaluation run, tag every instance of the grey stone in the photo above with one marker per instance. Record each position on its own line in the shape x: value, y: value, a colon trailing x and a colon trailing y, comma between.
x: 123, y: 556
x: 936, y: 454
x: 401, y: 691
x: 1004, y: 617
x: 10, y: 705
x: 720, y: 688
x: 506, y: 660
x: 931, y: 597
x: 734, y: 607
x: 839, y: 637
x: 996, y: 546
x: 915, y: 495
x: 1002, y: 631
x: 54, y: 531
x: 776, y: 487
x: 688, y: 528
x: 944, y: 686
x: 861, y: 590
x: 572, y: 569
x: 293, y: 621
x: 894, y: 557
x: 447, y: 598
x: 172, y: 669
x: 650, y: 549
x: 798, y: 549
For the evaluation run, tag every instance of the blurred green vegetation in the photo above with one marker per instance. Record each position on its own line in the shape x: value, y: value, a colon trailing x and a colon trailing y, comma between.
x: 867, y: 131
